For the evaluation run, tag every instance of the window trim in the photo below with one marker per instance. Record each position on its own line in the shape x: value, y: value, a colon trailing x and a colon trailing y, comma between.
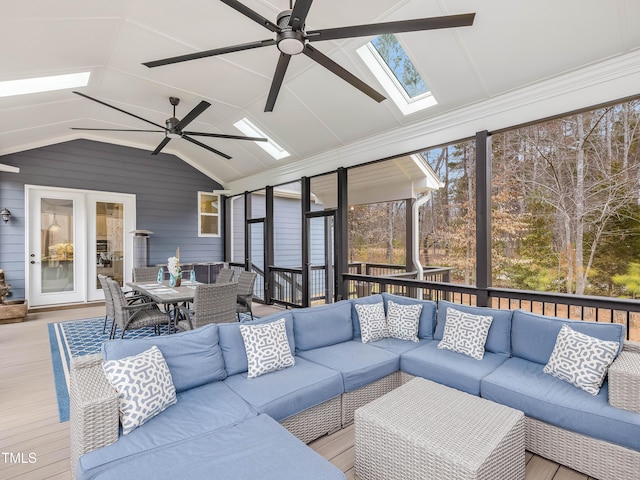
x: 390, y: 83
x: 202, y: 214
x: 250, y: 129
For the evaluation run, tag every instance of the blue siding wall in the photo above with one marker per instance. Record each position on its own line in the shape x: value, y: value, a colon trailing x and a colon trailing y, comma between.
x: 166, y: 190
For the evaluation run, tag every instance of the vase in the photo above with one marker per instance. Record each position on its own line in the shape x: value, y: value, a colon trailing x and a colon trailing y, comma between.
x: 175, y: 280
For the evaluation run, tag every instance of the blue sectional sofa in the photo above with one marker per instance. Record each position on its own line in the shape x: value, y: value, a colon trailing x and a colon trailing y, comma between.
x: 240, y: 427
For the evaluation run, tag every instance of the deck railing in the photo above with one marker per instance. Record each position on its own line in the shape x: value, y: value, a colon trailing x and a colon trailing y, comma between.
x: 286, y: 290
x: 574, y: 307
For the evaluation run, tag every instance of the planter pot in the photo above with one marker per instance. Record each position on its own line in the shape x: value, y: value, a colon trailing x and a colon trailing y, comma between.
x: 13, y: 312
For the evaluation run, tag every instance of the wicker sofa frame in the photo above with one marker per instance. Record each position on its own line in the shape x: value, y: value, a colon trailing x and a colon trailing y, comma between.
x: 94, y: 418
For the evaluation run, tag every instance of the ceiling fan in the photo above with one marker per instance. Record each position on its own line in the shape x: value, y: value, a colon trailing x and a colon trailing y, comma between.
x: 174, y: 127
x: 293, y: 39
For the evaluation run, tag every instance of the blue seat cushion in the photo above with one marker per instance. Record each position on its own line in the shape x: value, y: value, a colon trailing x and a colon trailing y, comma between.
x: 427, y: 323
x: 257, y: 448
x: 359, y: 363
x: 286, y: 392
x: 499, y: 337
x: 198, y: 411
x: 533, y: 336
x: 449, y: 368
x: 232, y: 344
x: 194, y: 357
x: 523, y: 385
x: 322, y: 326
x: 396, y: 345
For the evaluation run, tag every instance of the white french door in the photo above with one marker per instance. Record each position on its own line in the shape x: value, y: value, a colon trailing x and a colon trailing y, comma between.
x: 72, y: 236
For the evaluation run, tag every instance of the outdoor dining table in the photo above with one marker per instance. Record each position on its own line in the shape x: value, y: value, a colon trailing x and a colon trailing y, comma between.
x: 168, y: 296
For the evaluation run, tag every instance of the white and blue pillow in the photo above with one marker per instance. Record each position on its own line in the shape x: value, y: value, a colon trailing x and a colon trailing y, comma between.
x: 373, y: 322
x: 144, y: 385
x: 465, y: 333
x: 403, y: 320
x: 267, y: 347
x: 580, y: 359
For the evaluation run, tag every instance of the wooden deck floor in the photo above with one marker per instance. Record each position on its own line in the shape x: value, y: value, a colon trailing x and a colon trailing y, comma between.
x: 39, y: 443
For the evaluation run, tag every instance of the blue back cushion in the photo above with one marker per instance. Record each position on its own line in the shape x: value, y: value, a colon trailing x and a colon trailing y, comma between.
x: 533, y: 336
x: 322, y: 326
x: 499, y: 337
x: 194, y: 357
x: 427, y: 315
x: 232, y: 344
x: 369, y: 300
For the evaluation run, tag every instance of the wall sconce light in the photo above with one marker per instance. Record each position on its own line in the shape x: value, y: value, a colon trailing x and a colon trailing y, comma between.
x: 5, y: 214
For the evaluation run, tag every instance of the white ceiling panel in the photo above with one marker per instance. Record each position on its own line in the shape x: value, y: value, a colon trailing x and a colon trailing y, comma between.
x: 512, y: 46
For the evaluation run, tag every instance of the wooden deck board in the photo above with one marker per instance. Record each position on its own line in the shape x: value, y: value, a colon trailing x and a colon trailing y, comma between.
x: 29, y: 420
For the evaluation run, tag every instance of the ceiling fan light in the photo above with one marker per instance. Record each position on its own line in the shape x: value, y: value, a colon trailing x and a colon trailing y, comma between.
x: 290, y: 46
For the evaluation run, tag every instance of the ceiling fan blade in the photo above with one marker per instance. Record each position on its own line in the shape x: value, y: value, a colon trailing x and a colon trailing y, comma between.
x: 206, y: 147
x: 116, y: 130
x: 299, y: 14
x: 347, y: 76
x: 221, y: 135
x: 210, y: 53
x: 191, y: 116
x: 119, y: 110
x: 247, y: 12
x: 276, y: 83
x: 419, y: 24
x: 161, y: 145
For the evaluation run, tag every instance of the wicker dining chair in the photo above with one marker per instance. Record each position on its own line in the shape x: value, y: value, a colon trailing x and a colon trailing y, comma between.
x: 225, y: 275
x: 137, y: 315
x: 244, y: 300
x: 145, y: 274
x: 131, y: 297
x: 212, y: 303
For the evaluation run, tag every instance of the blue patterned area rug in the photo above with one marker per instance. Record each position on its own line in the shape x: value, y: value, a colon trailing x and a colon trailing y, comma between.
x: 83, y: 337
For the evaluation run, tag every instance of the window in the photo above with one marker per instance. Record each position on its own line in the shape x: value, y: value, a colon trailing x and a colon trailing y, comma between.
x: 43, y: 84
x: 208, y: 214
x: 397, y: 74
x: 271, y: 147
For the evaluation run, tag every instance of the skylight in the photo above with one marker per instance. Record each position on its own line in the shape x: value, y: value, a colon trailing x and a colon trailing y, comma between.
x: 271, y: 147
x: 43, y: 84
x: 397, y: 74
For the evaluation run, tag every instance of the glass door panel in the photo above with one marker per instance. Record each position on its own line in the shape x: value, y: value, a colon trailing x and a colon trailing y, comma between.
x: 57, y: 247
x: 109, y: 239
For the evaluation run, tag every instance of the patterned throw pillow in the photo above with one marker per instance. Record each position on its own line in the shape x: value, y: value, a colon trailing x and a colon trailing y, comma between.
x: 267, y: 347
x: 373, y: 323
x: 144, y: 385
x: 403, y: 320
x: 465, y: 333
x: 580, y: 359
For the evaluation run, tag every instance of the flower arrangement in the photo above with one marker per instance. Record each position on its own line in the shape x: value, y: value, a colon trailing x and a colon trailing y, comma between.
x: 174, y: 264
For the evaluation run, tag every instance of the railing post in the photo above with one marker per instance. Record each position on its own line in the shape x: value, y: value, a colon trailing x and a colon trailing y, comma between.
x: 483, y: 216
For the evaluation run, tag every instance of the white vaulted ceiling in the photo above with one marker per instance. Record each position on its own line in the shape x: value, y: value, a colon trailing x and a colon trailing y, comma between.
x: 321, y: 120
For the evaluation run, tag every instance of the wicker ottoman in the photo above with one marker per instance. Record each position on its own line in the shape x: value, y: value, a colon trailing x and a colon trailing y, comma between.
x: 426, y: 430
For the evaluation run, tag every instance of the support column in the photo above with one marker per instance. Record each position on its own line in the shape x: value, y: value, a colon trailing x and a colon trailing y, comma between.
x: 269, y: 253
x: 227, y: 227
x: 305, y: 260
x: 409, y: 247
x: 483, y: 216
x: 342, y: 235
x: 247, y: 230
